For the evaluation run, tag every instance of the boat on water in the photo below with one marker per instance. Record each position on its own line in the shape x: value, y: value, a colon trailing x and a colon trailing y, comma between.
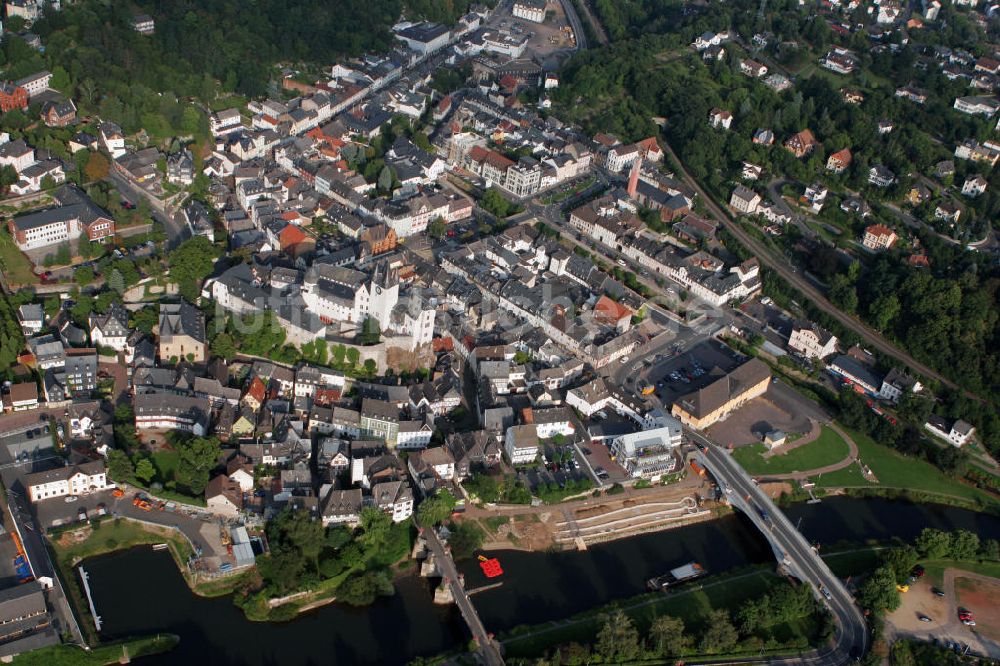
x: 681, y: 574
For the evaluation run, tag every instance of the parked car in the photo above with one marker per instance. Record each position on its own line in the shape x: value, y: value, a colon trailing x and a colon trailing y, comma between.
x: 70, y: 499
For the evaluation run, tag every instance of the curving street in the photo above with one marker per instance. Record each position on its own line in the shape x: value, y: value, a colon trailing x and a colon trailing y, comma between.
x: 851, y: 634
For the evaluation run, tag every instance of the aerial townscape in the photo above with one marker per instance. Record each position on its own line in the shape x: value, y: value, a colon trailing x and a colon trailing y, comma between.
x: 541, y: 332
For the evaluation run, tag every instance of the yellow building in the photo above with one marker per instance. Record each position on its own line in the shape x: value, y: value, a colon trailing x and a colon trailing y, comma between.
x: 700, y: 409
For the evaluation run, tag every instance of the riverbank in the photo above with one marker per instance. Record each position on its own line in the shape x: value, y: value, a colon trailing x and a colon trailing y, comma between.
x: 103, y: 655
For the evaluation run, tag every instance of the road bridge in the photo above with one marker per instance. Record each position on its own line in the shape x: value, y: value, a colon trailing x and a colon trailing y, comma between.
x: 487, y: 646
x: 794, y: 554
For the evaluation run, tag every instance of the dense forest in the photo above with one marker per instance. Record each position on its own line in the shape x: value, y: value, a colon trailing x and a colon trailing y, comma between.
x: 200, y: 42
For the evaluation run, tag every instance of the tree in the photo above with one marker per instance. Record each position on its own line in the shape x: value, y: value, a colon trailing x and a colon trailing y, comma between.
x: 197, y: 457
x: 119, y: 466
x: 435, y: 509
x: 60, y: 80
x: 990, y: 550
x: 933, y: 544
x: 964, y: 545
x: 362, y: 589
x: 190, y: 263
x: 901, y: 560
x: 370, y: 367
x: 116, y: 281
x: 144, y: 471
x: 353, y: 355
x: 83, y: 275
x: 8, y: 176
x: 466, y: 538
x: 879, y: 593
x: 720, y: 634
x: 97, y: 167
x: 618, y: 639
x: 385, y: 179
x: 83, y: 247
x: 145, y: 319
x: 63, y: 255
x: 375, y: 525
x: 494, y: 202
x: 667, y: 636
x: 224, y: 346
x: 436, y: 228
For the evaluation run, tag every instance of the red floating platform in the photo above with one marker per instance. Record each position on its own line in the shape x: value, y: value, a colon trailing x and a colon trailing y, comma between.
x: 491, y: 568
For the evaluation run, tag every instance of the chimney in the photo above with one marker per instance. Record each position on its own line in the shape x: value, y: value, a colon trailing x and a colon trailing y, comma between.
x: 633, y: 177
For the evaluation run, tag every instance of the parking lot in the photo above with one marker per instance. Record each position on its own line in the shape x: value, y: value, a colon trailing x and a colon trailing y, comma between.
x: 679, y: 372
x: 781, y: 408
x: 558, y: 465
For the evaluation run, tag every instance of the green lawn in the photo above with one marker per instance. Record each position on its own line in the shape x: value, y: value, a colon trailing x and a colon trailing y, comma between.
x: 896, y: 471
x: 14, y: 264
x: 166, y: 464
x: 935, y: 569
x: 827, y: 449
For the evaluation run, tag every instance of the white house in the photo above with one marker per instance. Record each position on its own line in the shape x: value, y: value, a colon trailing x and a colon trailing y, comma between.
x: 975, y: 186
x: 957, y: 433
x: 521, y: 444
x: 812, y: 341
x: 71, y: 480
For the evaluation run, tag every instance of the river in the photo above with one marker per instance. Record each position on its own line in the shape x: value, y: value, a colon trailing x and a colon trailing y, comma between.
x: 140, y: 591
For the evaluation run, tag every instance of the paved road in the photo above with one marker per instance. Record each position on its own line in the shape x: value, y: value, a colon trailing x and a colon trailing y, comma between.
x: 574, y: 22
x: 851, y: 634
x: 487, y: 647
x: 793, y: 276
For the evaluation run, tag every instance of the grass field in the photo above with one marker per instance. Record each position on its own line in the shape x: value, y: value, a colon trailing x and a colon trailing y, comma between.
x: 693, y: 606
x: 896, y: 471
x: 166, y: 464
x: 827, y: 449
x: 14, y: 264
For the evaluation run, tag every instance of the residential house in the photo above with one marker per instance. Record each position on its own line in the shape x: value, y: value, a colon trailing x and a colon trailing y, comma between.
x: 812, y: 341
x: 32, y: 318
x: 974, y: 186
x: 521, y: 444
x: 22, y: 397
x: 59, y: 114
x: 801, y: 143
x: 948, y: 210
x: 878, y: 237
x: 720, y: 118
x: 110, y: 329
x: 167, y: 411
x: 394, y: 498
x: 224, y: 497
x: 957, y: 433
x: 752, y: 68
x: 744, y: 200
x: 342, y: 507
x: 839, y: 161
x: 470, y: 450
x: 72, y: 480
x: 898, y: 383
x: 881, y: 176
